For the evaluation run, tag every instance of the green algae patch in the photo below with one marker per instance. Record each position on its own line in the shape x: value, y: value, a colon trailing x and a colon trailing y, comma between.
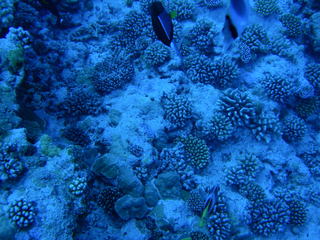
x: 47, y: 148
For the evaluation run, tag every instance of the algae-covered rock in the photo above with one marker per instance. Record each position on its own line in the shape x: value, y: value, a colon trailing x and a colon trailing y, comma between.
x: 107, y: 167
x: 169, y: 185
x: 7, y: 230
x: 129, y: 207
x: 151, y: 194
x: 47, y: 148
x: 129, y: 183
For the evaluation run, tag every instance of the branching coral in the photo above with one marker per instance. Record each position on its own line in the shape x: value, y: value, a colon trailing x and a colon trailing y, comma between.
x: 10, y: 161
x: 225, y: 73
x: 312, y: 74
x: 76, y: 135
x: 201, y: 36
x: 80, y: 102
x: 156, y: 54
x: 22, y: 213
x: 294, y: 129
x: 107, y: 198
x: 218, y: 128
x: 177, y: 109
x: 237, y: 106
x: 199, y: 69
x: 196, y: 201
x: 196, y: 150
x: 292, y: 24
x: 256, y: 38
x: 268, y: 217
x: 266, y: 7
x: 112, y: 73
x: 183, y: 8
x: 264, y: 126
x: 278, y: 88
x: 219, y: 223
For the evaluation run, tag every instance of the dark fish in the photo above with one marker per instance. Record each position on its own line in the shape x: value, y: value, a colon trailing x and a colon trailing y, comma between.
x: 162, y: 23
x: 231, y: 27
x: 51, y: 6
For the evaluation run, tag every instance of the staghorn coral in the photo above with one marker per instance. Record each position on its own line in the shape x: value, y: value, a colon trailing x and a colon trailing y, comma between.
x: 292, y: 24
x: 156, y: 54
x: 196, y: 150
x: 112, y: 73
x: 277, y: 88
x: 266, y: 7
x: 22, y: 213
x: 177, y: 109
x: 237, y: 106
x: 311, y: 158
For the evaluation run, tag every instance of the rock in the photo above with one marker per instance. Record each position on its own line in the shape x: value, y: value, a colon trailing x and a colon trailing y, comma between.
x: 151, y: 194
x: 128, y: 207
x: 129, y: 183
x: 7, y: 230
x: 169, y: 185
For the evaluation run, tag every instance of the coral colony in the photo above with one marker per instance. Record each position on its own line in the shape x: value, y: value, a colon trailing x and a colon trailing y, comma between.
x: 159, y: 119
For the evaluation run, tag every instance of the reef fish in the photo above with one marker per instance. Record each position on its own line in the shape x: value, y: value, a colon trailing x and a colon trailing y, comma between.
x: 236, y: 19
x: 51, y: 6
x: 162, y: 23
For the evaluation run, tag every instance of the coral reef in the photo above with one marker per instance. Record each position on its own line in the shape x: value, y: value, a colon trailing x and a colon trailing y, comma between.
x: 278, y: 88
x: 197, y: 151
x: 78, y: 186
x: 312, y: 74
x: 177, y: 109
x: 22, y: 213
x: 184, y: 9
x: 266, y: 7
x: 112, y: 73
x: 292, y: 24
x: 268, y: 217
x: 237, y: 106
x: 156, y: 54
x: 294, y: 129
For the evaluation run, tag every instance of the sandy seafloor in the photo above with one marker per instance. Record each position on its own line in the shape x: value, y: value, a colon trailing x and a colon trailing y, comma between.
x: 56, y: 61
